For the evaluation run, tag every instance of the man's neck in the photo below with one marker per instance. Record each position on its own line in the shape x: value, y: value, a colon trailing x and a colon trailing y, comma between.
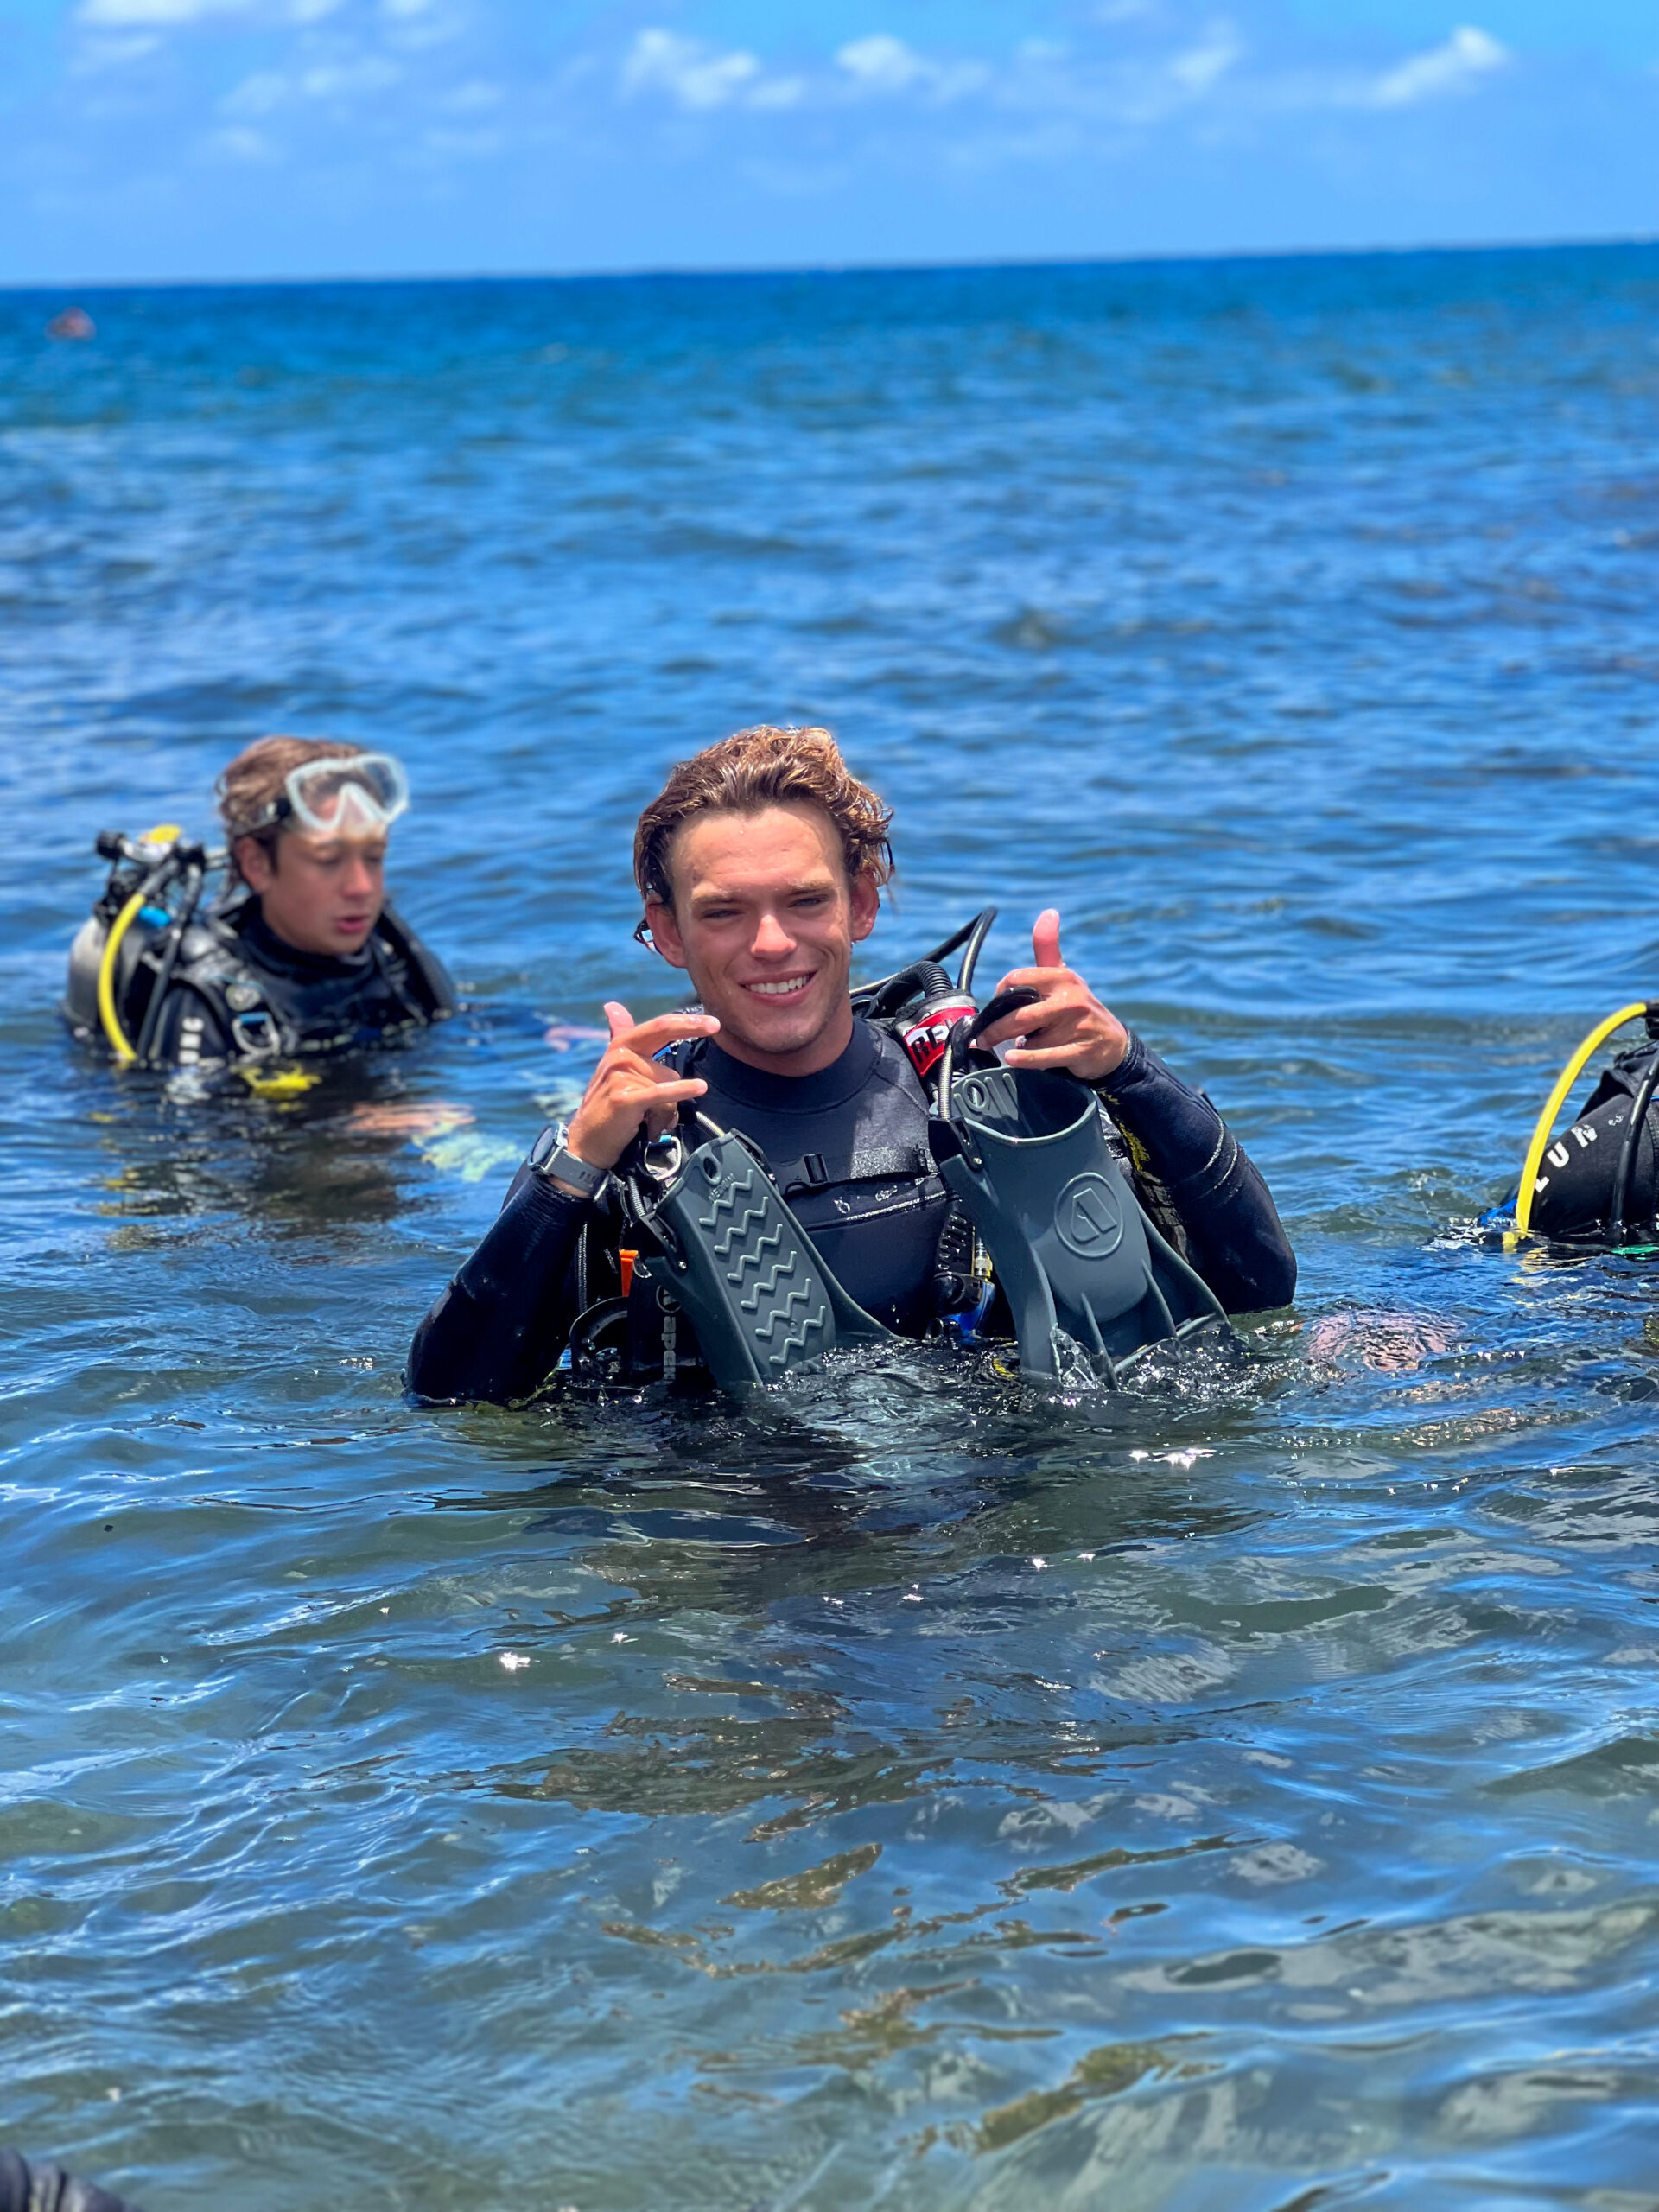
x: 265, y: 927
x: 823, y: 1052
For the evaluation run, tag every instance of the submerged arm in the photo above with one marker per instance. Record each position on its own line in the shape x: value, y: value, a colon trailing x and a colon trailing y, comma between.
x: 1235, y: 1238
x: 497, y: 1329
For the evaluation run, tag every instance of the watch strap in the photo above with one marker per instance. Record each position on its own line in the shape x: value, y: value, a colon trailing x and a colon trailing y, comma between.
x: 551, y: 1159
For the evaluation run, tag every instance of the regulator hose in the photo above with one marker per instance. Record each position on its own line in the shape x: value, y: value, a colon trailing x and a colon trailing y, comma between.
x: 1564, y: 1083
x: 867, y: 994
x: 126, y: 1052
x: 1619, y: 1205
x: 194, y: 877
x: 923, y: 979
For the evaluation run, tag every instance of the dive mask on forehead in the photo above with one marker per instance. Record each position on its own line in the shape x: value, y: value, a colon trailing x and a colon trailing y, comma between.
x: 352, y: 795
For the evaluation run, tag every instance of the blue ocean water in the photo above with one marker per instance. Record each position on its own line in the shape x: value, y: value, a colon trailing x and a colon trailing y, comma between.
x: 898, y: 1794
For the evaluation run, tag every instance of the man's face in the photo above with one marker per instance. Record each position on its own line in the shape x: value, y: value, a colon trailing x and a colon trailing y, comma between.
x: 764, y: 921
x: 321, y: 894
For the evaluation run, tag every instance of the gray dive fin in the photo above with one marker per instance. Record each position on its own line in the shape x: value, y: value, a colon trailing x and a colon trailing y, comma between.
x: 740, y: 1265
x: 1026, y: 1154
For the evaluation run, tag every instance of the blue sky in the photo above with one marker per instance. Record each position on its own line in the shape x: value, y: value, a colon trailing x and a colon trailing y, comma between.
x: 169, y: 138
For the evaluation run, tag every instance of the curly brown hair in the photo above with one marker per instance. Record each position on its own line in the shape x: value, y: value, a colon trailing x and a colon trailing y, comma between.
x: 754, y: 768
x: 254, y: 779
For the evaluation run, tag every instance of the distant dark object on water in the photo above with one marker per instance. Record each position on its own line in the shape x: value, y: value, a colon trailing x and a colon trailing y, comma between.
x: 73, y: 322
x: 48, y: 2189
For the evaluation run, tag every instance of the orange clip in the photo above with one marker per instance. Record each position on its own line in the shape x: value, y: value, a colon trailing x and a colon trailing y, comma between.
x: 627, y: 1260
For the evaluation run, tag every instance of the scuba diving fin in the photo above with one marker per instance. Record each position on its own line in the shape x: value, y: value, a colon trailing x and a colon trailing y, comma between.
x: 1025, y: 1150
x: 734, y: 1258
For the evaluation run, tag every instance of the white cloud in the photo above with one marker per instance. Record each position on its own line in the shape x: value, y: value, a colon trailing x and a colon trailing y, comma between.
x: 885, y: 64
x: 1156, y: 79
x: 256, y: 95
x: 339, y: 80
x: 1064, y: 93
x: 127, y: 13
x: 778, y: 91
x: 469, y: 99
x: 687, y: 70
x: 1467, y: 55
x: 1204, y: 65
x: 268, y: 88
x: 242, y: 145
x: 882, y: 63
x: 176, y: 14
x: 114, y: 52
x: 169, y: 14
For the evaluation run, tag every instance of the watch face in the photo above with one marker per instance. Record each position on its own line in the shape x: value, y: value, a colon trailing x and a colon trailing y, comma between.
x: 544, y: 1147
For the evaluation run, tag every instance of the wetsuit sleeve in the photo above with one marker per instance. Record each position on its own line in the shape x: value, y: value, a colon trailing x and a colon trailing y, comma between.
x: 496, y: 1331
x: 190, y: 1029
x: 1234, y: 1236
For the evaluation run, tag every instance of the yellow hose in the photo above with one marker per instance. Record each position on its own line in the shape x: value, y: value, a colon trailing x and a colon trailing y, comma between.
x: 1564, y: 1083
x: 167, y: 833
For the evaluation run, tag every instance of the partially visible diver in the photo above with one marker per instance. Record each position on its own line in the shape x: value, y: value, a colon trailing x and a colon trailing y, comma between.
x: 35, y: 2188
x: 1598, y: 1181
x: 817, y: 1177
x: 299, y: 954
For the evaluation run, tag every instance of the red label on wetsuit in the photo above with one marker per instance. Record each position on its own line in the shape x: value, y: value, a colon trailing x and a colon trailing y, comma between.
x: 927, y: 1036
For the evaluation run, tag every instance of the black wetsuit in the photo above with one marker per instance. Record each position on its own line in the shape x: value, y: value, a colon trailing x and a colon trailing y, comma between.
x: 849, y: 1147
x: 26, y: 2187
x: 1573, y: 1192
x: 238, y: 991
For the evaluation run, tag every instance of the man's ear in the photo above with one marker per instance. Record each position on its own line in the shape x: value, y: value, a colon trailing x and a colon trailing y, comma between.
x: 665, y: 933
x: 257, y: 865
x: 865, y: 897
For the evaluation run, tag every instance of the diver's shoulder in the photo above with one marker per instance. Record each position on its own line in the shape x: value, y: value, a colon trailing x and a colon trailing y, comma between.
x: 405, y: 944
x: 890, y: 1062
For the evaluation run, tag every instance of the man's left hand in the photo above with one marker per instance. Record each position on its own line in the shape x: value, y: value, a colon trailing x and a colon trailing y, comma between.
x: 1068, y: 1027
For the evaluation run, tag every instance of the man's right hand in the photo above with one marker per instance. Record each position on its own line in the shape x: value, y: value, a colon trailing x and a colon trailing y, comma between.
x: 630, y: 1088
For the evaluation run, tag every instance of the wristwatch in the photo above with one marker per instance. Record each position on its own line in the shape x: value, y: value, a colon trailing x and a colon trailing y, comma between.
x: 551, y: 1159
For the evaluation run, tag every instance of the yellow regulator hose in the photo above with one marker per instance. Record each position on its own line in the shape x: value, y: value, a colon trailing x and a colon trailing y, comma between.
x: 165, y: 834
x: 1564, y: 1083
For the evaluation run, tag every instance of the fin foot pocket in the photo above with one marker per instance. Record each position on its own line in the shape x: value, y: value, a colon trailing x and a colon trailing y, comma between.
x: 1025, y: 1150
x: 747, y: 1276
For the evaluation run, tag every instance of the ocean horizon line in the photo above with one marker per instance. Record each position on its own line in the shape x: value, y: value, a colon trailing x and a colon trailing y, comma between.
x: 730, y: 272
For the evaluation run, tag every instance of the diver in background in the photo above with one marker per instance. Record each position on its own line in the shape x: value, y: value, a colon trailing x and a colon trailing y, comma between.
x: 299, y: 955
x: 760, y: 865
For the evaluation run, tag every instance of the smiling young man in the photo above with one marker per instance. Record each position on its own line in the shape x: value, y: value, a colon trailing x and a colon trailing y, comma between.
x: 761, y: 864
x: 302, y: 954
